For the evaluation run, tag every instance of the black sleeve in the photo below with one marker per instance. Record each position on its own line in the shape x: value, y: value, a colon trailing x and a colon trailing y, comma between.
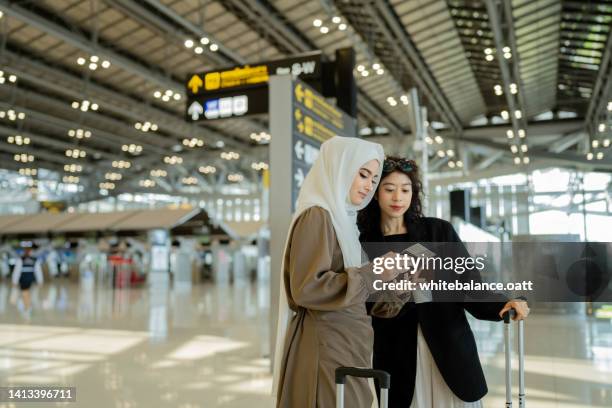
x: 481, y: 305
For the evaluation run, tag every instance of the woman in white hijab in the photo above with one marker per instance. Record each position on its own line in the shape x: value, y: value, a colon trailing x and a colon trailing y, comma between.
x: 324, y: 281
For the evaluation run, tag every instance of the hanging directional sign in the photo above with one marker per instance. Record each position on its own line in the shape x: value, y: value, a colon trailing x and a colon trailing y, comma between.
x: 314, y: 121
x: 243, y: 90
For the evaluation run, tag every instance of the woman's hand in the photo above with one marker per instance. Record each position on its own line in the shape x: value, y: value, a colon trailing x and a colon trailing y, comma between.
x: 391, y: 273
x: 520, y: 306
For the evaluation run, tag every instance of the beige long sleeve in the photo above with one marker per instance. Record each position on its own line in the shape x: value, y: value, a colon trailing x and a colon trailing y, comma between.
x: 316, y: 276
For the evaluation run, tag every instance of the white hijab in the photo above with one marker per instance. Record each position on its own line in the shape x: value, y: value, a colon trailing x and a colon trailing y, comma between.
x: 327, y: 185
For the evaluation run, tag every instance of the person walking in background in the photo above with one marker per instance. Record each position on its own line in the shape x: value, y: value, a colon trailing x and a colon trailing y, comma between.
x: 27, y: 271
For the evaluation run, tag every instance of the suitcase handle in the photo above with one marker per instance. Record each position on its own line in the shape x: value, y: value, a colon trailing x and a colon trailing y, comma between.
x: 508, y: 315
x: 383, y: 377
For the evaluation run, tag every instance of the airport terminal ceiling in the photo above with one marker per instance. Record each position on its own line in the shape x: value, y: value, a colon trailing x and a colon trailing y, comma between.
x: 92, y: 92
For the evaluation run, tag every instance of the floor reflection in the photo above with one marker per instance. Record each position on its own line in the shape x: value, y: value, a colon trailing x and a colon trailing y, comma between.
x: 206, y: 346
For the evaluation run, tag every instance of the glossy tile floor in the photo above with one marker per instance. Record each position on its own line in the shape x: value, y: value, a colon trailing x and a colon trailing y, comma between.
x: 206, y: 347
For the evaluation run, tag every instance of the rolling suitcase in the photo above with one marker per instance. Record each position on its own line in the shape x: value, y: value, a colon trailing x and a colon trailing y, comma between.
x: 384, y: 380
x: 508, y: 351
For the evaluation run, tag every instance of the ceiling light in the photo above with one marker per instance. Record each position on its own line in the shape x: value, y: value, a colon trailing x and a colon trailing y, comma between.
x: 336, y: 20
x: 342, y: 27
x: 514, y: 149
x: 600, y: 155
x: 188, y: 43
x: 504, y: 115
x: 214, y: 47
x: 526, y: 160
x: 489, y: 57
x: 204, y: 40
x: 441, y: 153
x: 324, y: 30
x: 459, y: 163
x: 506, y: 49
x: 602, y: 127
x: 317, y: 22
x: 507, y: 55
x: 517, y: 160
x: 360, y: 68
x: 157, y: 94
x: 521, y: 133
x: 488, y: 51
x: 518, y: 114
x: 606, y: 142
x: 589, y: 156
x: 380, y: 71
x: 451, y: 164
x: 198, y: 50
x: 595, y: 144
x: 375, y: 66
x: 106, y: 64
x: 439, y: 139
x: 524, y: 148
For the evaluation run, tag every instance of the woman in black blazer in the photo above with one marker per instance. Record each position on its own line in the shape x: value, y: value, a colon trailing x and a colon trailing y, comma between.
x: 428, y: 348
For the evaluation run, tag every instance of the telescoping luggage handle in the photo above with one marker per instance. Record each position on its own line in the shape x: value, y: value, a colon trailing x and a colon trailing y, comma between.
x: 521, y: 350
x: 383, y: 377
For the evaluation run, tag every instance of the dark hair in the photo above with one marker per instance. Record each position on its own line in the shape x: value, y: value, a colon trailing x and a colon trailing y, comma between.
x: 368, y: 219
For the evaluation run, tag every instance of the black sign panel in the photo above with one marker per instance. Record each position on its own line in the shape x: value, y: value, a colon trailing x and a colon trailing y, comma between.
x: 240, y: 90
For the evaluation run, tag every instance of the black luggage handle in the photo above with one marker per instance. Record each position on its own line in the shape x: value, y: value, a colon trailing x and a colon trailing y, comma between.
x: 383, y: 377
x: 509, y: 314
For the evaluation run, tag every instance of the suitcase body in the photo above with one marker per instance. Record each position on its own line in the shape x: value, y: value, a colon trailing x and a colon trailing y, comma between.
x: 521, y: 360
x: 384, y: 380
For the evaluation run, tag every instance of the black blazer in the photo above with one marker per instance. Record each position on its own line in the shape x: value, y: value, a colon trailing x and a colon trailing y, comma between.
x: 444, y: 326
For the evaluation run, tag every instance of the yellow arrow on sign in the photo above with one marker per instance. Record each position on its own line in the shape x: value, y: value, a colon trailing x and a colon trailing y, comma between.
x: 299, y: 94
x: 195, y: 83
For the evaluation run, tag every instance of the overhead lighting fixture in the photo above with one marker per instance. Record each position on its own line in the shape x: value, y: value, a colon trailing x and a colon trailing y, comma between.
x: 364, y: 73
x: 595, y: 144
x: 428, y: 140
x: 380, y: 71
x: 336, y: 20
x: 204, y: 40
x: 451, y: 164
x: 112, y: 176
x: 146, y: 126
x: 609, y: 106
x: 498, y: 90
x: 375, y: 66
x: 404, y: 99
x: 76, y: 153
x: 509, y: 133
x: 506, y: 49
x: 132, y: 148
x: 121, y: 164
x: 230, y: 156
x: 214, y: 47
x: 85, y: 105
x: 207, y: 169
x: 518, y: 114
x: 259, y: 166
x: 18, y: 140
x: 24, y: 158
x: 79, y: 133
x: 73, y: 168
x: 173, y: 160
x: 235, y: 177
x: 70, y: 179
x: 459, y: 163
x: 488, y: 51
x: 342, y: 27
x: 489, y: 57
x: 158, y: 173
x: 505, y: 115
x: 189, y: 180
x: 513, y: 89
x: 514, y: 149
x: 198, y: 50
x: 189, y: 43
x: 606, y: 142
x: 507, y: 55
x: 439, y: 139
x: 600, y: 155
x: 94, y: 62
x: 602, y: 127
x: 147, y: 183
x: 521, y: 133
x: 324, y: 30
x: 524, y: 148
x: 450, y: 153
x: 28, y: 172
x: 589, y: 156
x: 106, y: 185
x: 317, y: 22
x: 441, y: 153
x: 167, y: 95
x: 360, y: 67
x: 526, y: 160
x: 261, y: 137
x: 12, y: 115
x: 193, y: 142
x: 517, y: 160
